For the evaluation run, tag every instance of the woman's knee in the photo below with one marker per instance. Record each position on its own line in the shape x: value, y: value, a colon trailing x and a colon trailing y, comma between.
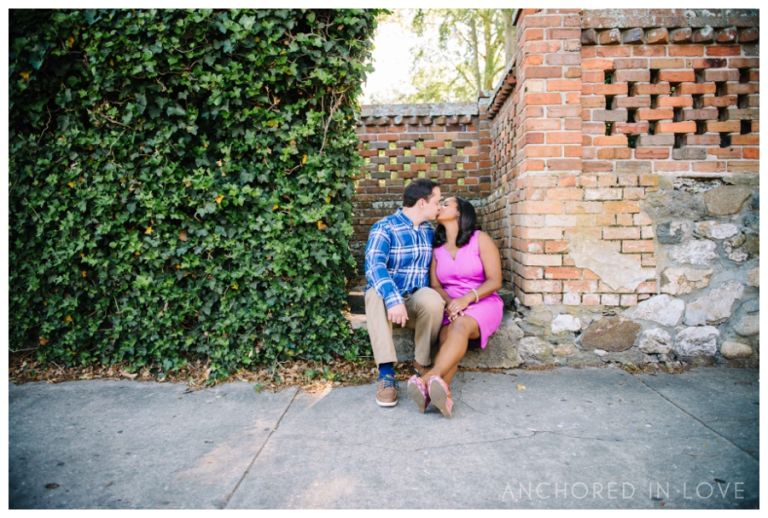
x: 463, y: 326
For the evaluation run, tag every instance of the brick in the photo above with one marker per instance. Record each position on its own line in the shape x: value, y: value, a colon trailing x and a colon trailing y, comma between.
x: 528, y: 272
x: 613, y: 89
x: 721, y: 74
x: 543, y: 72
x: 543, y: 151
x: 612, y: 140
x: 564, y: 34
x: 563, y: 111
x: 642, y: 76
x: 618, y: 207
x: 542, y: 286
x: 538, y: 99
x: 634, y: 193
x: 593, y: 76
x: 628, y: 300
x: 649, y: 51
x: 593, y: 207
x: 589, y: 37
x: 556, y: 247
x: 614, y: 153
x: 745, y: 140
x: 549, y: 20
x: 560, y: 85
x: 724, y: 127
x: 701, y: 114
x: 745, y: 114
x: 686, y: 50
x: 703, y: 35
x: 668, y: 63
x: 564, y: 138
x: 587, y: 299
x: 676, y: 127
x: 609, y: 37
x: 709, y: 167
x: 741, y: 88
x: 751, y: 153
x: 649, y: 89
x: 619, y: 115
x: 681, y: 35
x: 677, y: 101
x: 613, y: 233
x: 743, y: 166
x: 657, y: 36
x: 656, y: 114
x: 720, y: 102
x: 633, y: 36
x: 580, y: 286
x: 602, y: 194
x: 624, y: 63
x: 636, y: 247
x: 631, y: 128
x: 562, y: 272
x: 697, y: 88
x: 724, y: 50
x: 727, y: 35
x: 689, y: 153
x: 541, y: 124
x: 597, y: 64
x: 749, y: 35
x: 677, y: 76
x: 655, y: 140
x: 652, y: 153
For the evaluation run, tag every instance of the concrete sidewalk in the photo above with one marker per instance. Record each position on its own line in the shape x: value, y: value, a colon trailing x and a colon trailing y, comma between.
x: 565, y: 438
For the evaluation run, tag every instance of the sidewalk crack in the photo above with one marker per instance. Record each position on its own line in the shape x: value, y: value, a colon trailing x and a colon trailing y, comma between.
x: 695, y: 418
x: 226, y: 501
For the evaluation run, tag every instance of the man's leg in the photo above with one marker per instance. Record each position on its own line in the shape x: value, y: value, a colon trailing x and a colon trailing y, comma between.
x: 379, y: 328
x: 425, y: 316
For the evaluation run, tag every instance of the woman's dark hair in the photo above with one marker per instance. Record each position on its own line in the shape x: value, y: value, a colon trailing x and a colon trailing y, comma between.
x: 467, y: 225
x: 420, y: 189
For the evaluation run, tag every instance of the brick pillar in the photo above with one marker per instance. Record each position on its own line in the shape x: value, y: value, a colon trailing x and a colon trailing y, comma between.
x: 547, y: 199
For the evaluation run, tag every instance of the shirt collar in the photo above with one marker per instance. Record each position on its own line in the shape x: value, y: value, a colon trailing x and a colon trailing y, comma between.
x: 405, y: 220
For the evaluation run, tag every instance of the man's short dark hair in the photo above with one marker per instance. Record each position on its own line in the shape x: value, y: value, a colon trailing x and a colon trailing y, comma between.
x: 420, y: 189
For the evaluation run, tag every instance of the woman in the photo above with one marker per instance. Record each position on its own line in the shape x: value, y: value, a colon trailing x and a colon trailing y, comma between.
x: 466, y: 272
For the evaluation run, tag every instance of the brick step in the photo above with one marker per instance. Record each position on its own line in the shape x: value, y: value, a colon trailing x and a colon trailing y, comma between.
x: 356, y: 300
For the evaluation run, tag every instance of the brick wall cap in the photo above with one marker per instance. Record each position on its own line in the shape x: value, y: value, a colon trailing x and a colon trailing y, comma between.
x: 418, y: 110
x: 629, y: 18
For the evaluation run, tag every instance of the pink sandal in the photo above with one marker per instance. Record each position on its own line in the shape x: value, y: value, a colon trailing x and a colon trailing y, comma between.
x: 417, y: 391
x: 440, y: 395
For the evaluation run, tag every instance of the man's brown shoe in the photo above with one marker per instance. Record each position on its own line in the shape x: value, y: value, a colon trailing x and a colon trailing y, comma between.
x: 386, y: 391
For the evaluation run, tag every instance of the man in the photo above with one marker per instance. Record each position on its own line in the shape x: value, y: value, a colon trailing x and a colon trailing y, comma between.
x: 397, y: 258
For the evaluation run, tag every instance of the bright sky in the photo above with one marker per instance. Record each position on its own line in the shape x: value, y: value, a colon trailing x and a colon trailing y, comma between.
x: 392, y: 62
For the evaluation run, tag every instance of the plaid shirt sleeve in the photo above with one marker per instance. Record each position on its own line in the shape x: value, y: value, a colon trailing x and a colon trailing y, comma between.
x: 376, y: 273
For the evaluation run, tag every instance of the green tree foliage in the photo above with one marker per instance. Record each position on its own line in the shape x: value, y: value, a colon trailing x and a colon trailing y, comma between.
x: 181, y: 183
x: 472, y: 53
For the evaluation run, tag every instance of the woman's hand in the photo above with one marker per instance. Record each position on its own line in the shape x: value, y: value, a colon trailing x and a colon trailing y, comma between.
x: 455, y: 308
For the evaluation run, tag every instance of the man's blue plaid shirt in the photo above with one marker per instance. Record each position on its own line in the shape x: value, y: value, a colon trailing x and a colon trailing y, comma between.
x: 397, y: 257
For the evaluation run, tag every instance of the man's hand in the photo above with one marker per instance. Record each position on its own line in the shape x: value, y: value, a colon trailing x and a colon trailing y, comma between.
x: 398, y: 314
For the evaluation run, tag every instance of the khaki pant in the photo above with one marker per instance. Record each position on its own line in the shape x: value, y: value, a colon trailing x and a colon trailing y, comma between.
x: 425, y: 315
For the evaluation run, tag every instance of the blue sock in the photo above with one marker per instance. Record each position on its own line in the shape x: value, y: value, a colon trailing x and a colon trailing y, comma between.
x: 386, y: 369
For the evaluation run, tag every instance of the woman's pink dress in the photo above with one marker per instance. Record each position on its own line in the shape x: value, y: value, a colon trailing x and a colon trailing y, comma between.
x: 458, y: 276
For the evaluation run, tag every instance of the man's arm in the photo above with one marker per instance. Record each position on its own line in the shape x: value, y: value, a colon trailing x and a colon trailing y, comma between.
x: 376, y: 273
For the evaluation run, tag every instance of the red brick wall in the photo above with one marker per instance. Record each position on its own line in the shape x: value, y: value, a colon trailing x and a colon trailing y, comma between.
x: 596, y: 108
x: 602, y: 104
x: 447, y: 143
